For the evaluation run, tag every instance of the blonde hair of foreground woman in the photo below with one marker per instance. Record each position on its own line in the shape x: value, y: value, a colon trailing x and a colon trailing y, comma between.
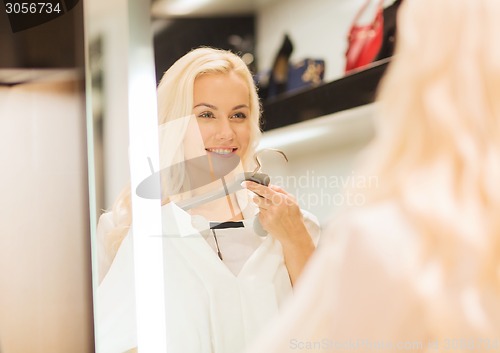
x: 437, y: 148
x: 437, y: 157
x: 175, y: 100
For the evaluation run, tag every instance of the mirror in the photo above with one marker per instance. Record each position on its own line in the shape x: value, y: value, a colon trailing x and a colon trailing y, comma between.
x: 123, y: 81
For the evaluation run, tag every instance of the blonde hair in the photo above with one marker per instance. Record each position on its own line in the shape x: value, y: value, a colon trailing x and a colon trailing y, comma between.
x: 175, y: 101
x: 437, y: 149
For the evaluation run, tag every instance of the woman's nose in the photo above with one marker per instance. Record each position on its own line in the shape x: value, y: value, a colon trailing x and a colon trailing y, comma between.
x: 225, y: 130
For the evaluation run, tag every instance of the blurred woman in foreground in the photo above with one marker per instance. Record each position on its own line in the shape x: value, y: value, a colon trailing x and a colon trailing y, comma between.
x: 417, y: 267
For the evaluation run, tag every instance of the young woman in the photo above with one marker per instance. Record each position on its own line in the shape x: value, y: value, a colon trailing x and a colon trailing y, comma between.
x: 222, y: 284
x: 418, y: 267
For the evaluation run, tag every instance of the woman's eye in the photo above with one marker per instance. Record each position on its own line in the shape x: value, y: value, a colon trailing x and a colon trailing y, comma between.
x: 239, y: 116
x: 206, y: 115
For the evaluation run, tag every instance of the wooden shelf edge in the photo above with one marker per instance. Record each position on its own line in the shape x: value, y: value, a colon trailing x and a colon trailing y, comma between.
x: 353, y: 90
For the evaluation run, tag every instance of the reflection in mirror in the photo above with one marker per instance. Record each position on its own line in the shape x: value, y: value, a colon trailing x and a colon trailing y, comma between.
x: 271, y: 19
x: 202, y: 294
x: 223, y: 280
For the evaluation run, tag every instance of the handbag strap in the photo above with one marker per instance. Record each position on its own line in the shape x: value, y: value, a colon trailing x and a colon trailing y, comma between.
x: 363, y: 8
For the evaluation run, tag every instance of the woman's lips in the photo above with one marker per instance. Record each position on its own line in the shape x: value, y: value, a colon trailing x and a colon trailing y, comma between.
x: 222, y: 151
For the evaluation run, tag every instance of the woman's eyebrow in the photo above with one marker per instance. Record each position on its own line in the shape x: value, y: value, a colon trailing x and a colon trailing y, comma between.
x: 241, y: 106
x: 206, y: 105
x: 211, y: 106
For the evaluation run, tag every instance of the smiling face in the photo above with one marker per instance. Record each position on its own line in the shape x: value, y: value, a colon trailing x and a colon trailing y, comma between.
x: 222, y: 110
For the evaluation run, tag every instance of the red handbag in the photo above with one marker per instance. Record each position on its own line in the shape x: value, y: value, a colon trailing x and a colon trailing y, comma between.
x: 364, y: 41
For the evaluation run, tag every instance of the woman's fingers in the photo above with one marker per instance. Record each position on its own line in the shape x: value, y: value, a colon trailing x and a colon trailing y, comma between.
x: 261, y: 190
x: 282, y: 191
x: 278, y: 189
x: 279, y: 211
x: 262, y: 203
x: 270, y: 196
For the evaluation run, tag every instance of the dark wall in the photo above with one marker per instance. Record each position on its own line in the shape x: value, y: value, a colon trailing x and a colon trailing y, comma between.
x: 181, y: 35
x: 42, y: 40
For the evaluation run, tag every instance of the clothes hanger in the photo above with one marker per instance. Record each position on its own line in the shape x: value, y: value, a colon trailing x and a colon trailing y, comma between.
x: 255, y: 176
x: 148, y: 188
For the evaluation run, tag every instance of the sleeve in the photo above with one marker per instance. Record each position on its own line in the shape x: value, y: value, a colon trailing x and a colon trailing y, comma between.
x: 345, y: 301
x: 115, y: 319
x: 313, y: 227
x: 104, y: 226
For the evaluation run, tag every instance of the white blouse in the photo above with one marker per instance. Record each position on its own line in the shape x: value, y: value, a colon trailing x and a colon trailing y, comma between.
x: 212, y: 306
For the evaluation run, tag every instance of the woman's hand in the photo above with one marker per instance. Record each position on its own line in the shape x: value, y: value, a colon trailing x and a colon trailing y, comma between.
x: 281, y: 217
x: 279, y: 212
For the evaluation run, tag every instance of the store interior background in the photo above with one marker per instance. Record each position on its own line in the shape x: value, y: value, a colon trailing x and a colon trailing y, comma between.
x: 50, y: 202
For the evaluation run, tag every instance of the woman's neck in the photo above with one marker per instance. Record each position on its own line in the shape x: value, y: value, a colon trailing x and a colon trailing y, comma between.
x: 222, y: 209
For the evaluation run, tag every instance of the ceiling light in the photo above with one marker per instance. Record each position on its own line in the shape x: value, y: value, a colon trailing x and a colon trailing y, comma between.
x: 178, y: 7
